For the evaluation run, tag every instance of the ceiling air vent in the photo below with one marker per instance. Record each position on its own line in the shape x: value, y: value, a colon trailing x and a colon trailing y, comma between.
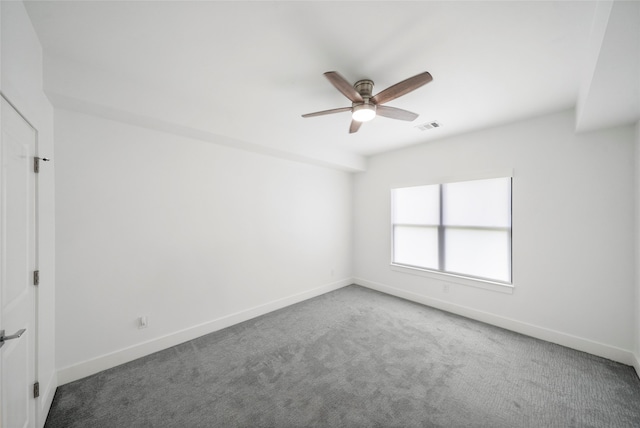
x: 429, y: 125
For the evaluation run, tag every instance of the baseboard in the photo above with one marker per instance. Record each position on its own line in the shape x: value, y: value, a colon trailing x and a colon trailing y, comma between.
x: 581, y: 344
x: 103, y: 362
x: 636, y: 363
x: 46, y: 399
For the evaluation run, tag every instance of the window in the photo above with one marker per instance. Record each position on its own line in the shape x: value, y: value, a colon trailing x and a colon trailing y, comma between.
x: 461, y: 228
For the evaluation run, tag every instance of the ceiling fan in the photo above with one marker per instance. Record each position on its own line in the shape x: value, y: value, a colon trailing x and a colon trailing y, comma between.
x: 364, y: 106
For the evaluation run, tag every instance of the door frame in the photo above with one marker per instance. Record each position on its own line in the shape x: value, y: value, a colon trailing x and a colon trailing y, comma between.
x: 36, y: 242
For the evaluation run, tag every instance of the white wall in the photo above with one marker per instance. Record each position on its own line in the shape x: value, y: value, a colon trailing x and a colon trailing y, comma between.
x: 21, y: 83
x: 194, y: 235
x: 573, y: 223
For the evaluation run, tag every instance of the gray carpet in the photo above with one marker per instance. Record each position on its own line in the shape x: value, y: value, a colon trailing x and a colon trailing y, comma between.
x: 356, y: 358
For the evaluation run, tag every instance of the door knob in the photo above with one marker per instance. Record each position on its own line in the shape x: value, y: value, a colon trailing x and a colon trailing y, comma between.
x: 4, y: 338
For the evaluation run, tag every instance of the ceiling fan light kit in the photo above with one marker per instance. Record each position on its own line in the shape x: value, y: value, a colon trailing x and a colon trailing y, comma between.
x: 363, y: 112
x: 364, y: 106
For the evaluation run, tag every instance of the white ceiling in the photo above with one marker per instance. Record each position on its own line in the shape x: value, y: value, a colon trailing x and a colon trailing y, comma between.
x: 243, y: 72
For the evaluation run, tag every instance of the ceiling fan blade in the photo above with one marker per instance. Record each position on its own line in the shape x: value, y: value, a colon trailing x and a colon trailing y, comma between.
x: 343, y: 86
x: 402, y: 88
x: 323, y: 112
x: 355, y: 125
x: 396, y: 113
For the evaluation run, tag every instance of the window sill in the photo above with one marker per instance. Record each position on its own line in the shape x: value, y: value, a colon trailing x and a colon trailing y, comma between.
x: 455, y: 279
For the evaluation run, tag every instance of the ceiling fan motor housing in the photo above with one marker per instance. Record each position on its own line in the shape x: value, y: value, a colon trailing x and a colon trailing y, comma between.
x: 364, y: 88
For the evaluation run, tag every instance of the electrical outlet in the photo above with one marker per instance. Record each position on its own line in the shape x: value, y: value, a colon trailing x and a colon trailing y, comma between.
x: 142, y: 322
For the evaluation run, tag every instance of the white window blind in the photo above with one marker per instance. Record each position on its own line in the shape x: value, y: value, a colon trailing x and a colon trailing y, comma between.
x: 462, y: 228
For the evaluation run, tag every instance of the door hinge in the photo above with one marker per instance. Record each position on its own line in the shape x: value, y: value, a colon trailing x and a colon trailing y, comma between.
x: 36, y: 277
x: 36, y: 390
x: 36, y: 163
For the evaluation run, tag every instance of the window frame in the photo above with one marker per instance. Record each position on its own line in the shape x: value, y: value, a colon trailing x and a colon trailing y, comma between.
x: 450, y: 276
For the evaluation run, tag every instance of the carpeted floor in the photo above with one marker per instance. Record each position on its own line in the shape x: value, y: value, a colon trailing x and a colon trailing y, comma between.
x: 356, y: 358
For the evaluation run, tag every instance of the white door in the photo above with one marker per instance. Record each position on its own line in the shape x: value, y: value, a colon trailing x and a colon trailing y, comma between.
x: 17, y: 263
